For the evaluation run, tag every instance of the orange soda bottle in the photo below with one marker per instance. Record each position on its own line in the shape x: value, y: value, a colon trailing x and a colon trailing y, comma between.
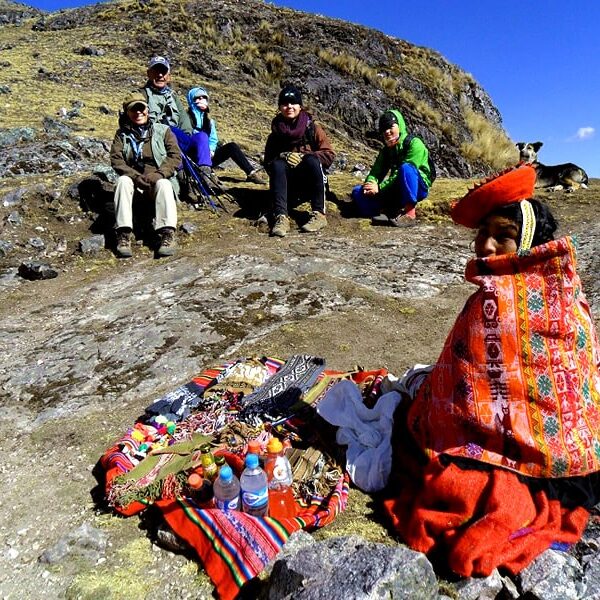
x: 279, y: 473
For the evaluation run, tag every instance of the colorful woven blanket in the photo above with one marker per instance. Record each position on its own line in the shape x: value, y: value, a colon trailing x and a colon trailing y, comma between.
x: 233, y: 546
x: 517, y: 383
x: 148, y: 465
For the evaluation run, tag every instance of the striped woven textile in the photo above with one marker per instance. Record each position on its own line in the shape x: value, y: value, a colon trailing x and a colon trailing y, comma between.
x: 235, y: 547
x: 517, y: 384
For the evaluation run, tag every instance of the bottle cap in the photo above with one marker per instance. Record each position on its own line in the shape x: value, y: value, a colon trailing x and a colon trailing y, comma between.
x: 251, y: 461
x: 195, y: 481
x: 226, y: 474
x: 220, y: 460
x: 274, y: 446
x: 254, y: 447
x: 205, y: 448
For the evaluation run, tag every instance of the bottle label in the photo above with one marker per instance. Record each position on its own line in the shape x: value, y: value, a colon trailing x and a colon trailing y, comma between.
x: 231, y: 504
x: 281, y: 471
x: 255, y: 498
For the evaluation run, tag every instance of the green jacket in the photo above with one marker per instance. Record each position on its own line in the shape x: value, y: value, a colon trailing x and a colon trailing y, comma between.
x: 389, y: 159
x: 161, y: 155
x: 167, y: 108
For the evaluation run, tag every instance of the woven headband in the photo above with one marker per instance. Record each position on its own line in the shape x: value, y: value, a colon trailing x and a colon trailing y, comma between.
x: 528, y: 227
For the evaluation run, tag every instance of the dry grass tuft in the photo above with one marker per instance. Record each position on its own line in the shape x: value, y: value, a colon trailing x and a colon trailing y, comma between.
x: 490, y: 144
x: 421, y: 108
x: 350, y: 65
x: 275, y: 65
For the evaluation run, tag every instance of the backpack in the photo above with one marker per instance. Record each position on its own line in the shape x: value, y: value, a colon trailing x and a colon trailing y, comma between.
x: 310, y: 137
x: 432, y: 172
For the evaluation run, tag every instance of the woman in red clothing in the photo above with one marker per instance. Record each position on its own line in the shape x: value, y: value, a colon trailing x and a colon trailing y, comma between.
x: 504, y: 431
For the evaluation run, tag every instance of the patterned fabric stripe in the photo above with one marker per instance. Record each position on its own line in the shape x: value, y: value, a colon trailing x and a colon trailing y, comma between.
x: 273, y: 364
x: 530, y: 382
x: 213, y: 375
x: 235, y: 547
x: 209, y: 376
x: 220, y: 543
x: 116, y: 459
x: 245, y: 543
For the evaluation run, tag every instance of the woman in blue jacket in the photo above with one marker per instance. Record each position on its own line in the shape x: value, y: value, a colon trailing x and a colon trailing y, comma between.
x: 207, y: 150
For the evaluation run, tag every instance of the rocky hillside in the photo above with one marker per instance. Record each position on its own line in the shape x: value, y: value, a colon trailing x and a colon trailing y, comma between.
x: 242, y: 51
x: 13, y: 12
x: 82, y: 354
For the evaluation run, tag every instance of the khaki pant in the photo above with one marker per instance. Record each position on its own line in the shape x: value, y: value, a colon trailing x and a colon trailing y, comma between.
x: 165, y: 207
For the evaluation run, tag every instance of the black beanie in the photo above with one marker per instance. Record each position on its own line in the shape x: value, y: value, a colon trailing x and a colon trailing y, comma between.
x: 290, y: 93
x: 386, y: 121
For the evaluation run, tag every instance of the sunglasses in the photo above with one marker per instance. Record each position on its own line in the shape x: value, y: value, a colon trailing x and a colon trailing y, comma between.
x: 200, y: 98
x: 137, y: 108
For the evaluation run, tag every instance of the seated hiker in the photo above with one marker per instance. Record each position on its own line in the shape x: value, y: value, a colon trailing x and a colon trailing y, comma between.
x: 497, y: 451
x: 398, y: 179
x: 146, y: 157
x: 296, y: 152
x: 208, y: 150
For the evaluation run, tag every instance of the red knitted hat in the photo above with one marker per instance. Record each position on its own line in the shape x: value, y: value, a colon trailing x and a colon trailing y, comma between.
x: 512, y: 185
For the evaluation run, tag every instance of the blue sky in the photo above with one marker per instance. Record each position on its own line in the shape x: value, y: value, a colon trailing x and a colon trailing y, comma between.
x: 539, y: 61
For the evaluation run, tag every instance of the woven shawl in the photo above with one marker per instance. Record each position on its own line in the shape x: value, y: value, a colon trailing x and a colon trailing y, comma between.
x: 517, y: 383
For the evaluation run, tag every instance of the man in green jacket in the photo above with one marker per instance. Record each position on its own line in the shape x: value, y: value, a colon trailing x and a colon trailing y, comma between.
x: 399, y: 178
x: 164, y: 105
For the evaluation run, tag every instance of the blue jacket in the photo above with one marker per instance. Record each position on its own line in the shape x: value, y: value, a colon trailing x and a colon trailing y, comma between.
x: 197, y: 117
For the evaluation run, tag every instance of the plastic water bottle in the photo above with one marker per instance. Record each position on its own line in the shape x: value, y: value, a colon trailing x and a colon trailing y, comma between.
x: 255, y: 491
x: 254, y: 447
x: 279, y: 473
x: 226, y: 489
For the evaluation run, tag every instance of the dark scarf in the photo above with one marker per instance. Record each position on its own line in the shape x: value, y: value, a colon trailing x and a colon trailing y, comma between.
x: 290, y: 132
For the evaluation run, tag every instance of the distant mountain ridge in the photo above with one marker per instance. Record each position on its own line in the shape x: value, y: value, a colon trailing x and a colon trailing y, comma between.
x: 244, y: 50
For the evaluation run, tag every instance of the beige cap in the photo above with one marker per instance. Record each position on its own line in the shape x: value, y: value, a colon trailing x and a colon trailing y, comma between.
x: 133, y: 99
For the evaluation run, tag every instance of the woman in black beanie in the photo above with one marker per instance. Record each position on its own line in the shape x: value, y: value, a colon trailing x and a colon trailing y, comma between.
x: 296, y: 153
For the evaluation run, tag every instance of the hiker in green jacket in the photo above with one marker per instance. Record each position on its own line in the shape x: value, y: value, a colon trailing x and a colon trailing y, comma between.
x: 398, y: 179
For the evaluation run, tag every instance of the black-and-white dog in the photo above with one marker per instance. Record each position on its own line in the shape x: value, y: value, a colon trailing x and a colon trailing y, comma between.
x: 567, y: 176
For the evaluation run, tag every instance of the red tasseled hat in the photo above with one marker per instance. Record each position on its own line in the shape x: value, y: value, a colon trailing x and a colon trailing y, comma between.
x: 512, y: 185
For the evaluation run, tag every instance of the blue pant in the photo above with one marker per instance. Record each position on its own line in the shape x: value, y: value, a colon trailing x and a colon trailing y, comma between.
x: 405, y: 192
x: 195, y: 145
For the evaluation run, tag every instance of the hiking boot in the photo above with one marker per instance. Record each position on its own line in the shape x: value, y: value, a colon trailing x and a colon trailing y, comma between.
x: 399, y: 221
x: 168, y: 243
x: 207, y: 173
x: 403, y: 221
x: 123, y: 249
x: 316, y: 222
x: 256, y: 177
x: 281, y: 227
